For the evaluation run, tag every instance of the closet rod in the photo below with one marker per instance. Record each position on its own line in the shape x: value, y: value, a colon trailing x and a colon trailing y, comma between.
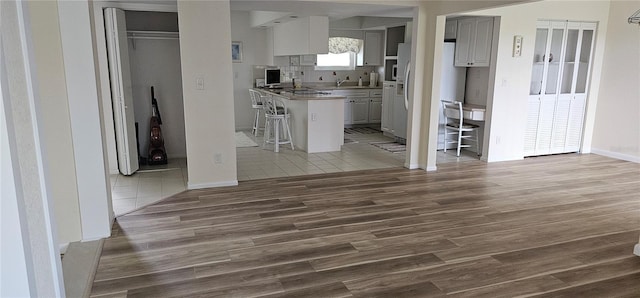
x: 152, y: 35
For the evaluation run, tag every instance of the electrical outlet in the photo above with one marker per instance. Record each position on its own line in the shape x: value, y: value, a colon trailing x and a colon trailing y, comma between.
x: 217, y: 158
x: 314, y: 117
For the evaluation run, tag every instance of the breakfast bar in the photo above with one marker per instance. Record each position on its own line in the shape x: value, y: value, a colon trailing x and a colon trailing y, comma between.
x: 317, y: 118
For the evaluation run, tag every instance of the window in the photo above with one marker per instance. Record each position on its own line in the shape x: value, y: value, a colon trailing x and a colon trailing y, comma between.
x: 344, y: 61
x: 342, y: 54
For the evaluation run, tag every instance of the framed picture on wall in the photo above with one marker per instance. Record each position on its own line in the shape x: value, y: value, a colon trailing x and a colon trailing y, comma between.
x: 236, y: 51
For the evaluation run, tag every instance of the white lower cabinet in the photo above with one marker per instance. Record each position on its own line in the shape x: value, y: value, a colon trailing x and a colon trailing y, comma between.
x: 361, y: 107
x: 375, y: 110
x: 360, y: 111
x: 348, y: 119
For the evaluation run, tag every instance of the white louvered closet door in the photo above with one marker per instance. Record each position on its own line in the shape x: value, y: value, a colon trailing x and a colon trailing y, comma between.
x: 559, y: 84
x: 530, y: 134
x: 560, y: 124
x: 575, y: 123
x: 545, y: 125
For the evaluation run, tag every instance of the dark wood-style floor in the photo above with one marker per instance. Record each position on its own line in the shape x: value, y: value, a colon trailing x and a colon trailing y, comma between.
x: 556, y: 226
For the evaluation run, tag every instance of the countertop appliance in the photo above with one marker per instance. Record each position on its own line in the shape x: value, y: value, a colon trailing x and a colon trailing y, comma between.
x: 452, y: 84
x: 401, y: 102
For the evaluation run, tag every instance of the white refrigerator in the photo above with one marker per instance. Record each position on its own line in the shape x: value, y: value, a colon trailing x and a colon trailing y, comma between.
x: 452, y: 84
x: 401, y: 100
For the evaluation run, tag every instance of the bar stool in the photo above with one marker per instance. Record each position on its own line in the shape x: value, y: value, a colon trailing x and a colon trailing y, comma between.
x: 257, y: 103
x: 277, y: 119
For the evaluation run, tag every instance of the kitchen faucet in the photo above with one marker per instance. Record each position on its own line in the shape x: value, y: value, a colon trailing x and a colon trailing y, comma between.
x: 339, y: 82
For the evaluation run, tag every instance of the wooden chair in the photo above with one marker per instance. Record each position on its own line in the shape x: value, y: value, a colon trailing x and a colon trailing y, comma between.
x: 257, y: 103
x: 455, y: 126
x: 277, y: 120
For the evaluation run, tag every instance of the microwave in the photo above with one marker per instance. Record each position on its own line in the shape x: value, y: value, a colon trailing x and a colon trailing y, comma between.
x: 394, y: 72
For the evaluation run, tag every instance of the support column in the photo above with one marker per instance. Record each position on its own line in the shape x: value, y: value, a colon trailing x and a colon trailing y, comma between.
x: 207, y: 86
x: 94, y: 191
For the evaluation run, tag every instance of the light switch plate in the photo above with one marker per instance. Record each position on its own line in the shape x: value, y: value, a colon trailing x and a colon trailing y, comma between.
x: 517, y: 45
x: 199, y: 83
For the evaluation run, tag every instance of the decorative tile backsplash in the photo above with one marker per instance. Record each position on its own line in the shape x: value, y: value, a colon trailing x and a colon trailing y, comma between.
x: 307, y: 74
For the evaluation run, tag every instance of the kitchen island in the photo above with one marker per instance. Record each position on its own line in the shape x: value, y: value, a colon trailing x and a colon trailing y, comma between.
x: 317, y: 118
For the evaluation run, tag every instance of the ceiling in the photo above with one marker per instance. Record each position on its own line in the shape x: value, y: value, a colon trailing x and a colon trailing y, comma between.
x: 333, y: 10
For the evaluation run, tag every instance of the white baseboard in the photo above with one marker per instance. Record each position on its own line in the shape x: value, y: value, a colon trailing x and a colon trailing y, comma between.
x: 248, y: 128
x: 63, y: 247
x: 636, y: 250
x: 411, y: 166
x: 616, y: 155
x: 96, y: 238
x: 213, y: 184
x: 114, y: 171
x: 431, y: 169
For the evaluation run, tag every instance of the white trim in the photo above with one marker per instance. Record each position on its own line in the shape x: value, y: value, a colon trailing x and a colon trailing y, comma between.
x: 114, y: 171
x: 137, y: 6
x: 94, y: 239
x: 31, y: 82
x: 431, y: 169
x: 213, y: 184
x: 636, y: 250
x: 616, y: 155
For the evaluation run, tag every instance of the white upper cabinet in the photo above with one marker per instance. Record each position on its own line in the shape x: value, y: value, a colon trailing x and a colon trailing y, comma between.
x: 373, y: 48
x: 303, y: 36
x: 450, y: 29
x: 473, y: 42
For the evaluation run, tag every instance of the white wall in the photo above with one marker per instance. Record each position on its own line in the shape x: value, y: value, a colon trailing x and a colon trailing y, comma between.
x: 156, y: 62
x: 15, y: 262
x: 22, y: 113
x: 205, y: 46
x: 616, y: 130
x: 508, y: 108
x: 254, y: 52
x: 57, y: 134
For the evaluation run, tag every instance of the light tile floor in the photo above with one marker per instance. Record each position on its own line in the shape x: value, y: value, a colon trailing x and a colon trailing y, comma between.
x: 450, y: 156
x: 152, y: 184
x: 259, y: 163
x: 148, y: 185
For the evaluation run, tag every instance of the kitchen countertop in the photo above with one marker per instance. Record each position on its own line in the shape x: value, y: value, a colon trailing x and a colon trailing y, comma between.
x: 314, y: 91
x: 345, y: 86
x: 301, y: 94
